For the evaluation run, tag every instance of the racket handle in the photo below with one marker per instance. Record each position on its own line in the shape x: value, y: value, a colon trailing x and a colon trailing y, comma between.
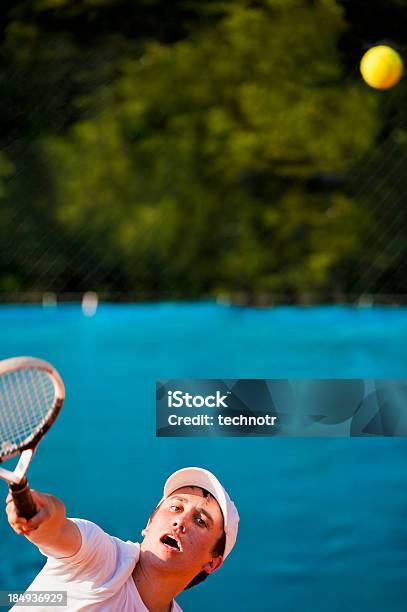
x: 22, y: 499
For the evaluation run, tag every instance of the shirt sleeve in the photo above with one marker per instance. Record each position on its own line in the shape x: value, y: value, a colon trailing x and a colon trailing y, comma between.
x: 96, y: 560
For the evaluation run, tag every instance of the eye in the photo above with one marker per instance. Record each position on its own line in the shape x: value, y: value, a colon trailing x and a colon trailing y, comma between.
x: 174, y: 508
x: 201, y: 521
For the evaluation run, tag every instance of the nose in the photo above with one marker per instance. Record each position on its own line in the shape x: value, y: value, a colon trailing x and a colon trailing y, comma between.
x: 179, y: 523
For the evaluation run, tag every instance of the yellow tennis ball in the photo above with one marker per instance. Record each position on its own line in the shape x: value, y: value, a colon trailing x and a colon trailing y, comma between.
x: 381, y: 67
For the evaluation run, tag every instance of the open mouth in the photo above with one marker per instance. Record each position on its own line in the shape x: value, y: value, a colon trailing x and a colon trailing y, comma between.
x: 171, y: 542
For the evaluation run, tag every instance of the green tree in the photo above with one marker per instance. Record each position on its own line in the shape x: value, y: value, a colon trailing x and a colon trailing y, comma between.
x: 194, y: 165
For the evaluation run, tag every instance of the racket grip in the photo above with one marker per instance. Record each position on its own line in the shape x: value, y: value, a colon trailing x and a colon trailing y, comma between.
x: 22, y: 499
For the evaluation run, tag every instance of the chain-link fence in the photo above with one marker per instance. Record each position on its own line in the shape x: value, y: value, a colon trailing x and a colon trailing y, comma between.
x: 164, y: 172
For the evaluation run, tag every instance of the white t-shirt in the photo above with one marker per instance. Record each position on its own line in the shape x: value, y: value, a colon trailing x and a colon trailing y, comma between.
x: 97, y: 578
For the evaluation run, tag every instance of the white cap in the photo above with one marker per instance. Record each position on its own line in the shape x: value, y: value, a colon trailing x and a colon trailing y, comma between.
x: 198, y: 477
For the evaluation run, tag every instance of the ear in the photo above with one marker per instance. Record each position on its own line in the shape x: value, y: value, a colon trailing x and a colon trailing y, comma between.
x: 144, y: 531
x: 213, y: 565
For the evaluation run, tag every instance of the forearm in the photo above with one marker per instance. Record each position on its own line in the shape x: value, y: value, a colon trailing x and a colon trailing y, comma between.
x: 49, y: 528
x: 60, y: 542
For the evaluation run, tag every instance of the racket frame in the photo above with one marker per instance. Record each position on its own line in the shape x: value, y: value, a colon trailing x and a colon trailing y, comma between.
x: 27, y: 449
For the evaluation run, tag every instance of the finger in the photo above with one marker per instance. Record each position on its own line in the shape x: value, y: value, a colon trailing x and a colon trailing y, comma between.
x: 17, y: 520
x: 12, y: 515
x: 40, y: 499
x: 19, y: 530
x: 11, y: 511
x: 38, y: 518
x: 10, y: 507
x: 17, y: 525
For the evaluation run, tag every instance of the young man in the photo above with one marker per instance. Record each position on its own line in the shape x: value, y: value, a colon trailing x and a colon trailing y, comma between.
x: 188, y: 536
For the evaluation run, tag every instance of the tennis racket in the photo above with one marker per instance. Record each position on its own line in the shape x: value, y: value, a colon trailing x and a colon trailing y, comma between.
x: 31, y: 396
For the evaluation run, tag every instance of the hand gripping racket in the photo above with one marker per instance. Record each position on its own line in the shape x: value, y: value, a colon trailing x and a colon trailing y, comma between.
x: 31, y: 396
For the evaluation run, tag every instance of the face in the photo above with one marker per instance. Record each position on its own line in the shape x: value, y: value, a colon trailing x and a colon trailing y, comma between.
x: 183, y: 532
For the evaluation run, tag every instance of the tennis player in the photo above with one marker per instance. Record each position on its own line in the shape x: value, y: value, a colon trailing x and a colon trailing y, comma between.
x: 188, y: 536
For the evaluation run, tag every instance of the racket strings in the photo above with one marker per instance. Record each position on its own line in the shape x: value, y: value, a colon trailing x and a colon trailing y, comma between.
x: 27, y: 397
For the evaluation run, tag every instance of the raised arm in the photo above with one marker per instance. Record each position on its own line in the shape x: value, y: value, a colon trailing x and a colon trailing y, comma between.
x: 49, y: 529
